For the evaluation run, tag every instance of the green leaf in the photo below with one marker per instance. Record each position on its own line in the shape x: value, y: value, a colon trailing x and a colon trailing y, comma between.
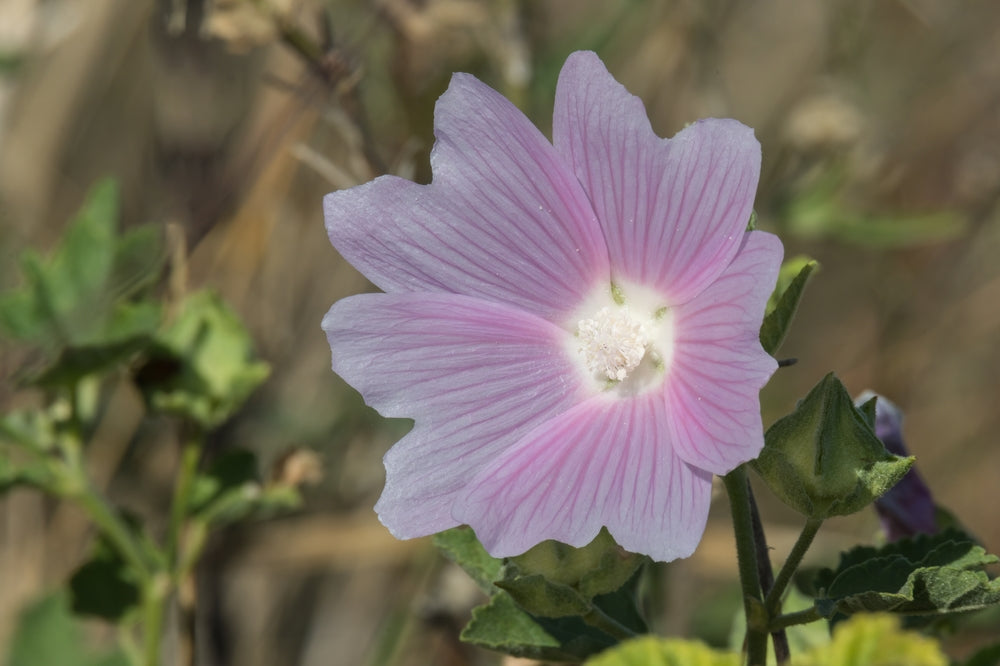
x: 31, y: 430
x: 203, y: 366
x: 103, y: 586
x: 78, y: 306
x: 656, y: 651
x: 543, y: 597
x: 230, y: 490
x: 503, y: 626
x: 461, y: 546
x: 33, y: 474
x: 987, y: 656
x: 927, y: 575
x: 600, y: 567
x: 47, y: 634
x: 25, y: 439
x: 784, y: 302
x: 554, y: 580
x: 874, y: 640
x: 824, y: 459
x: 819, y: 211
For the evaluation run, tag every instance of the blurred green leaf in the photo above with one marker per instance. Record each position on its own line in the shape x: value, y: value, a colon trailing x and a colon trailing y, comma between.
x: 461, y: 546
x: 987, y: 656
x: 819, y: 211
x: 230, y: 490
x: 824, y: 459
x: 233, y: 469
x: 77, y: 306
x: 47, y: 634
x: 874, y: 640
x: 12, y: 474
x: 103, y: 586
x: 656, y: 651
x: 25, y: 439
x: 32, y: 430
x: 784, y: 302
x: 202, y: 367
x: 503, y: 626
x: 926, y: 575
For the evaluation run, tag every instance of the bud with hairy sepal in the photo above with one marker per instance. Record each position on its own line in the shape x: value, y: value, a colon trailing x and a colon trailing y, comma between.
x: 824, y: 459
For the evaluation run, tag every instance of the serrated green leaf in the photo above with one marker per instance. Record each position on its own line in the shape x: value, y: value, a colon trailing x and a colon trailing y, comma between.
x: 656, y: 651
x: 824, y: 459
x: 75, y: 306
x: 929, y: 575
x: 212, y: 369
x: 461, y: 546
x: 47, y: 633
x: 874, y: 640
x: 543, y: 597
x: 784, y: 302
x: 503, y: 626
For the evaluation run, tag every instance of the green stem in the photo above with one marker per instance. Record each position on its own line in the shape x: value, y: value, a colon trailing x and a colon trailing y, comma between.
x: 114, y: 529
x: 601, y: 620
x: 739, y: 504
x: 791, y: 619
x: 190, y: 455
x: 788, y: 569
x: 155, y: 594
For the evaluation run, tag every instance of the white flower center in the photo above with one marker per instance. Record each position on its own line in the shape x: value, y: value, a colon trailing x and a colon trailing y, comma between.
x: 612, y: 343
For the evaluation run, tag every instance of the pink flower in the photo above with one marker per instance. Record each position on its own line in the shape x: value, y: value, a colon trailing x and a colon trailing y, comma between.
x: 573, y: 326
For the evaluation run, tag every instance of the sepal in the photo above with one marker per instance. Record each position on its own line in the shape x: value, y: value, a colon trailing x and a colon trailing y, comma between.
x: 824, y: 459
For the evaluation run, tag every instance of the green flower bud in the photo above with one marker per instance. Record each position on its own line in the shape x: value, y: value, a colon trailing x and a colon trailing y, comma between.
x: 824, y: 459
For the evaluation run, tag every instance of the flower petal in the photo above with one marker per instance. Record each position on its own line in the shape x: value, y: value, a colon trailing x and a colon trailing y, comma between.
x: 604, y: 462
x: 713, y: 387
x: 504, y: 219
x: 476, y: 376
x: 673, y: 211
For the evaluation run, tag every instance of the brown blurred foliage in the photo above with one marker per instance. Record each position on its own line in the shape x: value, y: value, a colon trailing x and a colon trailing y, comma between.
x: 229, y: 120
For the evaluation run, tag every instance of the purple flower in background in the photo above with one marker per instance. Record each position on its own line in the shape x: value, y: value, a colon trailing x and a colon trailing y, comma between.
x: 908, y: 508
x: 573, y: 326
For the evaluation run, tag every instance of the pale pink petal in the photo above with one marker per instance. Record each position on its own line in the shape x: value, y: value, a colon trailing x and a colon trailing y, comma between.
x: 476, y: 376
x: 673, y: 211
x: 718, y: 367
x: 604, y: 462
x: 504, y: 219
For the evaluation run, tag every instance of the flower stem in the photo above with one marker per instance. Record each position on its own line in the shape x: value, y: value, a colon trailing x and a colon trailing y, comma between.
x: 765, y: 573
x: 746, y: 555
x: 601, y: 620
x: 155, y: 594
x: 113, y: 528
x: 190, y: 455
x: 773, y: 601
x: 799, y: 617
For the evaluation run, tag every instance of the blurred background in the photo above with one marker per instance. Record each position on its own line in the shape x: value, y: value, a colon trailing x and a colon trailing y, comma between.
x: 227, y: 121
